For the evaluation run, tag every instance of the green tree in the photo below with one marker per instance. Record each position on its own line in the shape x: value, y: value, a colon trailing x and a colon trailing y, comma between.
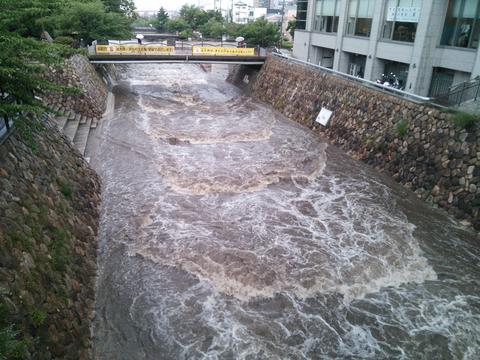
x: 125, y: 7
x: 292, y: 24
x: 260, y: 32
x: 213, y: 29
x: 177, y: 25
x: 162, y: 20
x: 193, y: 15
x: 233, y: 29
x: 90, y: 21
x: 22, y: 65
x: 215, y: 15
x: 27, y: 17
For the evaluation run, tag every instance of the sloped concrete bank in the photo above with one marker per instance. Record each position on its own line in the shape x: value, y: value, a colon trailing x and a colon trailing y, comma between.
x: 419, y: 146
x: 49, y: 212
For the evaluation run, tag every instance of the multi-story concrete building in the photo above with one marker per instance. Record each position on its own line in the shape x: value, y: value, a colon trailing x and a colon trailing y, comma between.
x: 428, y: 44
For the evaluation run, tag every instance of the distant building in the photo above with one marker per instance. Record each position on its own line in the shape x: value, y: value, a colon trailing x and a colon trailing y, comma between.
x: 147, y: 13
x: 244, y: 12
x: 261, y: 3
x: 429, y: 45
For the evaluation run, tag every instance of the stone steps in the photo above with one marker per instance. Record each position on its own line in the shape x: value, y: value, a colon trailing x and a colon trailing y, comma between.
x: 71, y: 128
x: 77, y: 127
x: 81, y: 137
x: 61, y: 122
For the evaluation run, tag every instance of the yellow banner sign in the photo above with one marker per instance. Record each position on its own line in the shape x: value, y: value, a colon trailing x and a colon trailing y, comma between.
x: 133, y: 49
x: 211, y: 50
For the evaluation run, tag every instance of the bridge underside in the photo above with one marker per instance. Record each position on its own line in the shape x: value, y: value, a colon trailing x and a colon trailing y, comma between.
x: 196, y: 59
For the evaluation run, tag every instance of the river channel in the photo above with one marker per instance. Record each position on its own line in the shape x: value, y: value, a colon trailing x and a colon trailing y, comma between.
x: 231, y: 232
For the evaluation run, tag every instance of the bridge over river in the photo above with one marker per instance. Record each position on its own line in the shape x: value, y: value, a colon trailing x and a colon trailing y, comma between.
x: 230, y: 232
x: 179, y: 52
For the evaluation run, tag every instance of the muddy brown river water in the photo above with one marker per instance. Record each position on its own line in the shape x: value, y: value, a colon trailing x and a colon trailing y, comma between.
x: 230, y: 232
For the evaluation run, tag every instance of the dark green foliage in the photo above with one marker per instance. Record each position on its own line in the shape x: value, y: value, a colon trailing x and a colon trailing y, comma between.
x: 162, y: 20
x: 22, y: 63
x: 124, y: 7
x: 24, y: 60
x: 28, y: 17
x: 260, y: 32
x: 90, y: 21
x: 213, y: 29
x: 465, y: 121
x: 185, y: 34
x: 66, y: 190
x: 10, y: 345
x: 37, y: 317
x: 177, y: 25
x: 64, y: 40
x: 59, y: 249
x: 194, y: 16
x: 292, y: 24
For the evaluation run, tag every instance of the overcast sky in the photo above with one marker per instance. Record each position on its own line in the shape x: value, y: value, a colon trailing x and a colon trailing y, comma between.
x: 167, y: 4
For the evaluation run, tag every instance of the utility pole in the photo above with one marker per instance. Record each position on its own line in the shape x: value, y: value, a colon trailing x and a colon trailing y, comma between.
x: 281, y: 24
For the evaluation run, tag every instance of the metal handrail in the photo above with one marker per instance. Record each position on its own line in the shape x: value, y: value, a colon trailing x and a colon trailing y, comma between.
x: 370, y: 84
x: 6, y: 128
x: 6, y: 123
x: 457, y: 95
x: 457, y: 87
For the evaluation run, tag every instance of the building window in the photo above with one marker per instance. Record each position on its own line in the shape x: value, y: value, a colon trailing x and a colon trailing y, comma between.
x: 302, y: 7
x: 360, y: 14
x: 401, y: 18
x: 326, y: 15
x: 462, y: 24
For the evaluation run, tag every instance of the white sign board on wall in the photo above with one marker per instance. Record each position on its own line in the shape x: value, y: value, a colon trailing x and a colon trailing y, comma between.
x: 324, y: 117
x: 403, y: 14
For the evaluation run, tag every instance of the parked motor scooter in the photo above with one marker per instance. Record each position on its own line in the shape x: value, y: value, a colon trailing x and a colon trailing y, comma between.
x: 390, y: 80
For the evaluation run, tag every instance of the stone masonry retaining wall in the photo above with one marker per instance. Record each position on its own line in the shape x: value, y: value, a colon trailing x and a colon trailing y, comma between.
x: 49, y: 208
x: 417, y: 145
x: 78, y: 72
x: 49, y: 211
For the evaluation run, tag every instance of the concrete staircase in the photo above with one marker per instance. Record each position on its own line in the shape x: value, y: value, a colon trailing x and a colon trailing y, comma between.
x: 76, y: 127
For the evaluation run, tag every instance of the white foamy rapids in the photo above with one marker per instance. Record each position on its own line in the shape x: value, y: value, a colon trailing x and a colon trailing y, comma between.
x: 237, y: 120
x: 247, y: 237
x: 429, y: 322
x: 245, y: 205
x: 308, y: 240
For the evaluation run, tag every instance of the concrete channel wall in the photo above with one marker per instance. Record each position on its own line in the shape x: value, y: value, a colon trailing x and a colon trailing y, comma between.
x: 49, y: 213
x: 419, y: 146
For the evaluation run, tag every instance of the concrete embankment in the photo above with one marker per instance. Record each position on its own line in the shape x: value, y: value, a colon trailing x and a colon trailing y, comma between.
x: 419, y: 146
x: 49, y: 211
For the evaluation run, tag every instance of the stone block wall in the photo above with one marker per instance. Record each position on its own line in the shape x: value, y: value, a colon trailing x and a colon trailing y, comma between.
x: 79, y: 73
x: 49, y: 209
x: 416, y: 144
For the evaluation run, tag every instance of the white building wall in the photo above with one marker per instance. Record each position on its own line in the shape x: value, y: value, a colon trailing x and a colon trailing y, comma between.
x: 422, y: 55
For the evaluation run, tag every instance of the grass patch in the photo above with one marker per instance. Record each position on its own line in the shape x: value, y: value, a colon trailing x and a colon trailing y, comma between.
x: 66, y: 190
x: 38, y: 317
x: 21, y: 240
x: 463, y: 120
x: 59, y: 250
x: 10, y: 346
x: 401, y: 128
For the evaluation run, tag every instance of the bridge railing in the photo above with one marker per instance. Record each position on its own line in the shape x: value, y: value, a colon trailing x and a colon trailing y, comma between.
x: 179, y: 47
